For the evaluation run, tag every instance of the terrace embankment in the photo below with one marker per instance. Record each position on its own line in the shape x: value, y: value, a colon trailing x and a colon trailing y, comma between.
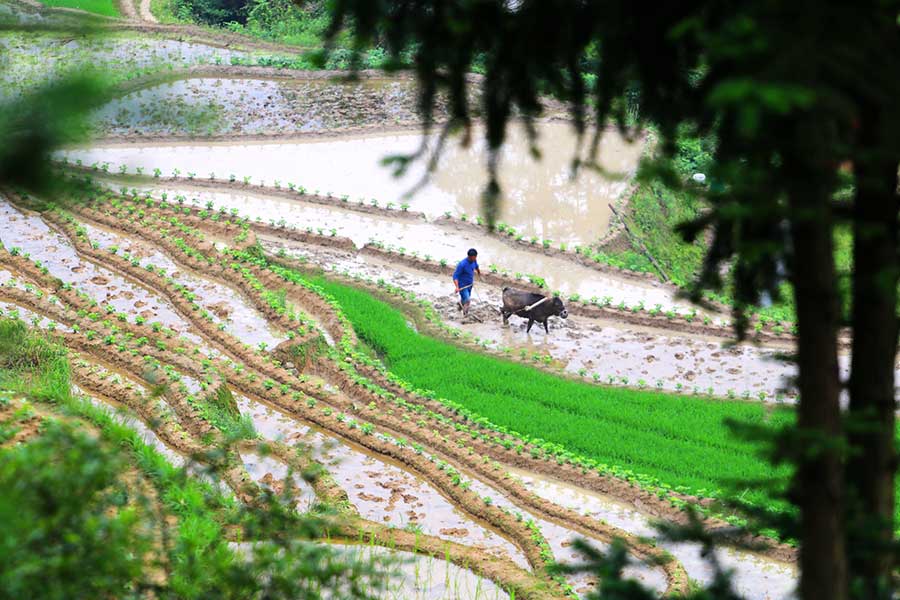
x: 29, y: 234
x: 492, y: 515
x: 237, y: 481
x: 212, y: 223
x: 393, y: 424
x: 151, y: 228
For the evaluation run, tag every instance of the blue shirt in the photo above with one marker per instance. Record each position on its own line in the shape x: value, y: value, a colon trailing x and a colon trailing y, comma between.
x: 465, y: 272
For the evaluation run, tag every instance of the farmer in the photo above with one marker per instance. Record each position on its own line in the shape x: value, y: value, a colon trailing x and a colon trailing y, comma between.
x: 464, y: 279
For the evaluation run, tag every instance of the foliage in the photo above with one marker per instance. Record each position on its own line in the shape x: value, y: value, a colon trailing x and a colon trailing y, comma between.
x: 35, y: 123
x: 655, y: 211
x: 211, y: 12
x: 67, y: 520
x: 283, y: 21
x: 286, y: 22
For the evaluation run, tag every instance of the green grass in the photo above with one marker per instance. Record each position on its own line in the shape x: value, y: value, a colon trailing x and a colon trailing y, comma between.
x: 680, y: 440
x: 106, y: 8
x: 655, y: 211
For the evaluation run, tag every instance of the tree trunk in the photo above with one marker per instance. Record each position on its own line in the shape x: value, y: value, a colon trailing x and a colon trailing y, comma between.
x: 818, y: 483
x: 871, y: 420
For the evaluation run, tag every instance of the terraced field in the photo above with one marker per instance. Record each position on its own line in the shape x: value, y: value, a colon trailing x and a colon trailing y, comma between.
x: 300, y: 309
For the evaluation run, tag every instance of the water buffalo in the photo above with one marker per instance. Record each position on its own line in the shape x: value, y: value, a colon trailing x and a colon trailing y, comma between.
x: 516, y: 302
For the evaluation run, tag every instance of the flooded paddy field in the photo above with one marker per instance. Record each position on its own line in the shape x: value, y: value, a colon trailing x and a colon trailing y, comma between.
x: 756, y: 578
x: 380, y: 490
x: 540, y: 199
x: 435, y: 240
x: 228, y: 306
x: 218, y: 106
x: 31, y: 235
x: 121, y: 56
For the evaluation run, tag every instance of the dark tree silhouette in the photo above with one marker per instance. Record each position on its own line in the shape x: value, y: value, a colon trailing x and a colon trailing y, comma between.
x: 791, y: 91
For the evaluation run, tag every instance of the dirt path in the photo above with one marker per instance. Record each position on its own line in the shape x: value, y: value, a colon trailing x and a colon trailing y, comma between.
x: 146, y: 14
x: 126, y: 7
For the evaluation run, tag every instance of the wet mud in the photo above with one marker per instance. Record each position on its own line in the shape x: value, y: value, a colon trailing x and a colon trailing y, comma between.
x: 227, y: 305
x: 33, y: 236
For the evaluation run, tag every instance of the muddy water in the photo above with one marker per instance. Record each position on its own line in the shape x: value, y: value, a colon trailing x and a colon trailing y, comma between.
x: 253, y: 106
x: 33, y: 236
x: 227, y: 305
x: 440, y: 242
x: 540, y: 199
x: 756, y: 578
x: 273, y: 474
x: 381, y: 491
